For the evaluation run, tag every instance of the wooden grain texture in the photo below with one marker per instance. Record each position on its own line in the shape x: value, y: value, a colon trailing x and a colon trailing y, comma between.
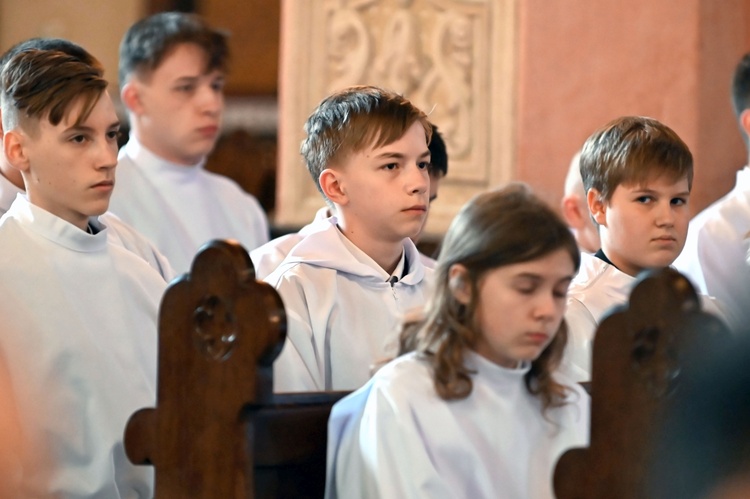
x: 217, y: 429
x: 638, y: 353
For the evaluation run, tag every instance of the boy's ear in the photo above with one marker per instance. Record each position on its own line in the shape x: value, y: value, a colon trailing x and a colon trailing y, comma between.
x: 597, y: 206
x: 15, y: 152
x: 330, y: 184
x: 458, y: 282
x: 130, y: 96
x: 745, y: 121
x: 572, y: 213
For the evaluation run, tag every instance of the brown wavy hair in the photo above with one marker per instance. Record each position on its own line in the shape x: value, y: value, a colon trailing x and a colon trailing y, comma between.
x: 501, y: 227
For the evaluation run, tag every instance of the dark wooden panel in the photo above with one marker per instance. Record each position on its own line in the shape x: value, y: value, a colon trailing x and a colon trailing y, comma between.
x: 254, y: 26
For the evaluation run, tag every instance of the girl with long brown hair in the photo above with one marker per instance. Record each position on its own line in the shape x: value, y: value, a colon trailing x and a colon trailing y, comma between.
x: 474, y: 407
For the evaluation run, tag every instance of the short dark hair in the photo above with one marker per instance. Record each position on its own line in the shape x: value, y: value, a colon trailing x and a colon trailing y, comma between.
x: 39, y: 84
x: 150, y: 40
x: 438, y: 154
x: 630, y: 150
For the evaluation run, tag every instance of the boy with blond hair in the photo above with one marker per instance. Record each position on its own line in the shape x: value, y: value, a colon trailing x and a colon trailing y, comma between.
x: 637, y: 174
x: 172, y: 68
x: 79, y: 312
x: 346, y: 287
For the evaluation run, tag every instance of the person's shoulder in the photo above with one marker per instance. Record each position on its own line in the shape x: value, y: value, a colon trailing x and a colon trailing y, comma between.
x: 729, y: 212
x: 591, y: 271
x: 223, y: 183
x: 407, y: 375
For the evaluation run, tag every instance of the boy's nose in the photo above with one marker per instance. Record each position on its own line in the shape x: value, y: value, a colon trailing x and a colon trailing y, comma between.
x: 665, y: 215
x: 419, y: 181
x: 209, y: 100
x: 107, y: 155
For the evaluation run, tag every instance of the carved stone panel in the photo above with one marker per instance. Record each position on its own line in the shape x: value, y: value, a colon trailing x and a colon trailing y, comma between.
x: 452, y: 58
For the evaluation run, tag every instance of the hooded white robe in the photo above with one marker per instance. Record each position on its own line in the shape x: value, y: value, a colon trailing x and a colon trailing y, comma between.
x: 343, y: 314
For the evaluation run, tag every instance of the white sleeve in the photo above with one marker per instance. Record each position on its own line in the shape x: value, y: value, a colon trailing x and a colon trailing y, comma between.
x: 726, y: 273
x: 576, y: 363
x: 300, y: 366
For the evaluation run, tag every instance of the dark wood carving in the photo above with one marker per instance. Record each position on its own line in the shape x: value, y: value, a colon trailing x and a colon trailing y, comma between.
x: 217, y: 429
x: 637, y: 358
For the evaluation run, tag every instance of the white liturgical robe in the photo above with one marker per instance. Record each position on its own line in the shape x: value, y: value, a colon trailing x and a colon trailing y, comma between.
x: 395, y: 437
x: 344, y: 312
x: 79, y: 343
x: 180, y: 208
x: 269, y: 256
x: 595, y: 291
x: 119, y: 232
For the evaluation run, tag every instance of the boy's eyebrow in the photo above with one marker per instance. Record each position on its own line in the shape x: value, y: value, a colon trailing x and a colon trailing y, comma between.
x: 186, y: 79
x: 398, y: 155
x: 194, y: 78
x: 84, y: 128
x: 649, y: 191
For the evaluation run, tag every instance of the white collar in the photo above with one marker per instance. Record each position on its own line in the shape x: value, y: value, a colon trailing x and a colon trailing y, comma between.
x: 55, y: 229
x: 366, y: 259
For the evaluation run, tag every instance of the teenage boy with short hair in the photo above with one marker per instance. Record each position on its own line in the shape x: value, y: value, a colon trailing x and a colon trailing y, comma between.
x: 270, y: 255
x: 172, y: 69
x: 638, y: 175
x: 11, y: 181
x: 79, y: 313
x: 346, y: 288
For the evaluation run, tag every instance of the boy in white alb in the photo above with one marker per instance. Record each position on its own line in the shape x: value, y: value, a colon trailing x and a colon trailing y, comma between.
x: 638, y: 175
x: 270, y: 255
x: 79, y: 313
x: 171, y: 78
x: 714, y: 254
x: 11, y: 181
x: 346, y: 287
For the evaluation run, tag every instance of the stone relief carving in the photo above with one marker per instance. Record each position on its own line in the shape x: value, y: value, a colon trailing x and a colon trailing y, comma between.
x: 447, y: 84
x: 399, y: 65
x: 452, y: 58
x: 349, y: 47
x: 423, y: 50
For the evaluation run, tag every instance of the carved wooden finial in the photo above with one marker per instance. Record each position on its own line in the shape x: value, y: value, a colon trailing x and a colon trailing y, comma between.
x: 638, y: 354
x: 219, y: 333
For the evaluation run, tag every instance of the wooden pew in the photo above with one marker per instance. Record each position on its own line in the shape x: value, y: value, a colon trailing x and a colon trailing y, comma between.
x: 638, y: 355
x: 217, y: 429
